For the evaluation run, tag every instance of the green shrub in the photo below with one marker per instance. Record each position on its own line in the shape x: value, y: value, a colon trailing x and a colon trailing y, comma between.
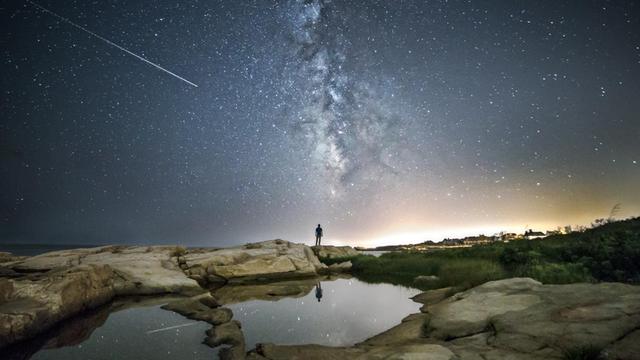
x: 554, y: 273
x: 467, y: 273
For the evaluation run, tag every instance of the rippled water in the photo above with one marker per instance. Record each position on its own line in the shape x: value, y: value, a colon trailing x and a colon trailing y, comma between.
x: 330, y: 312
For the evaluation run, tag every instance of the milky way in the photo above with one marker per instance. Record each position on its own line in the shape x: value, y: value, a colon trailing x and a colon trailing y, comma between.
x: 385, y: 121
x: 346, y: 126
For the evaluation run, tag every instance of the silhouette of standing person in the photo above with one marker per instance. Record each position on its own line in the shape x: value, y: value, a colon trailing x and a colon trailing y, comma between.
x: 318, y: 291
x: 318, y: 235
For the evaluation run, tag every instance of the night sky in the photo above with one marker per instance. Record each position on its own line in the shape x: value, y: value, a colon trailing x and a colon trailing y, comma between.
x: 385, y: 121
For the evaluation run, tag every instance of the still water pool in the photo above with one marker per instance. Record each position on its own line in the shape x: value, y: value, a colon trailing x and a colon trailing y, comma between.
x: 348, y: 312
x: 329, y: 312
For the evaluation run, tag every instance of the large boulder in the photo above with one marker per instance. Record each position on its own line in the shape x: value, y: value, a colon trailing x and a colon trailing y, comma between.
x: 139, y: 270
x: 522, y: 316
x: 343, y: 267
x: 470, y: 312
x: 264, y: 261
x: 31, y: 306
x: 329, y: 251
x: 230, y: 334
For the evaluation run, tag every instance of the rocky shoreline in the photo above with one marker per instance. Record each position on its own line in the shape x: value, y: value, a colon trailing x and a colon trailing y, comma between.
x: 40, y: 291
x: 515, y: 318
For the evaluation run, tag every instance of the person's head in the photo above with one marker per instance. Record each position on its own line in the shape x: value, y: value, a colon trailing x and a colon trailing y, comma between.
x: 318, y: 225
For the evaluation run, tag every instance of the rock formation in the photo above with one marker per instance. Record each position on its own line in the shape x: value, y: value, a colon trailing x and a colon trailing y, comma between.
x: 40, y: 291
x: 508, y: 319
x: 329, y: 251
x: 264, y: 261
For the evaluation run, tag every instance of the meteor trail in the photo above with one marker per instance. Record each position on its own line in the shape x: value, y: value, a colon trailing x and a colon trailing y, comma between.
x: 171, y: 328
x: 42, y: 8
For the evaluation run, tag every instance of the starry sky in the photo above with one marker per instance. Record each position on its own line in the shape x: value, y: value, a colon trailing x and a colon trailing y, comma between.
x: 385, y: 121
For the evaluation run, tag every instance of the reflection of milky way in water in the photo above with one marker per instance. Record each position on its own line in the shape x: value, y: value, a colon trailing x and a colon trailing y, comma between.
x: 349, y: 311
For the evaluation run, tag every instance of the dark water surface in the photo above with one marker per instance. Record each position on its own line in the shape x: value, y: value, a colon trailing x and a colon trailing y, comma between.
x: 37, y: 249
x: 133, y: 334
x: 348, y: 312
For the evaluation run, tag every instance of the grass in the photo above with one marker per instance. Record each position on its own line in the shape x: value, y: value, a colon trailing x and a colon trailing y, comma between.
x: 610, y: 252
x: 402, y: 268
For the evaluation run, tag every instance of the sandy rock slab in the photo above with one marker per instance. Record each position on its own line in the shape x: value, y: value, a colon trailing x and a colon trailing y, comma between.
x: 138, y: 270
x: 329, y: 251
x: 258, y: 262
x: 522, y: 316
x: 29, y: 307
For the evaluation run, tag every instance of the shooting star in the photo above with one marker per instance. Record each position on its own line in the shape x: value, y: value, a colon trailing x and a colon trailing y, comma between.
x: 60, y: 17
x: 170, y: 328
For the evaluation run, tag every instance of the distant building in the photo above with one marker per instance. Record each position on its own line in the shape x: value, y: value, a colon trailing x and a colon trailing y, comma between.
x: 476, y: 240
x: 452, y: 242
x: 469, y: 240
x: 530, y: 234
x: 510, y: 236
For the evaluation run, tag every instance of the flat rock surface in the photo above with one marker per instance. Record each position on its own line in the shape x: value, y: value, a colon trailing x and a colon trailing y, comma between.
x: 31, y: 306
x: 138, y: 269
x: 263, y: 261
x: 329, y: 251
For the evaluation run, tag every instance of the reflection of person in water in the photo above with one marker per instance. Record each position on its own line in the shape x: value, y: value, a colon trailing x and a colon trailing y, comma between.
x: 318, y: 291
